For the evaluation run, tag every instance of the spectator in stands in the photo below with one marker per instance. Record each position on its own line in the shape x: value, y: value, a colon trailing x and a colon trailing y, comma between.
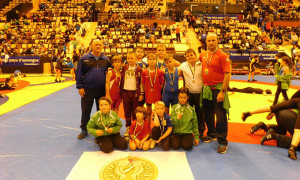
x: 294, y: 38
x: 92, y: 66
x: 297, y: 68
x: 178, y: 30
x: 0, y: 65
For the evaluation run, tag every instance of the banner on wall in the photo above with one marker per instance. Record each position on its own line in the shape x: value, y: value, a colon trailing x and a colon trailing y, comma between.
x: 263, y: 55
x: 20, y: 60
x: 220, y: 17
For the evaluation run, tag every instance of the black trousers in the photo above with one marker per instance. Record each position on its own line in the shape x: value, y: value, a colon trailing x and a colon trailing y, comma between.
x: 107, y: 143
x: 215, y: 128
x: 194, y: 100
x: 290, y: 104
x: 165, y: 143
x: 186, y: 141
x: 178, y: 37
x: 87, y: 102
x: 285, y: 123
x: 278, y: 91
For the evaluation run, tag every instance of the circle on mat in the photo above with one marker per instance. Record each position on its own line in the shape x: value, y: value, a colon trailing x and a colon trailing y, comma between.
x: 129, y: 168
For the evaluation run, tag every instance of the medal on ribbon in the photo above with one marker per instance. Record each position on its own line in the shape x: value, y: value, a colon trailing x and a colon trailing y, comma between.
x: 193, y: 71
x: 206, y: 71
x: 103, y: 124
x: 152, y: 83
x: 172, y: 79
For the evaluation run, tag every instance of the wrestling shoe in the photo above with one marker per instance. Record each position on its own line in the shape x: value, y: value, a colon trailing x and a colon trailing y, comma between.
x: 245, y: 115
x: 259, y: 126
x: 270, y: 135
x: 208, y: 139
x: 82, y: 135
x: 222, y: 148
x: 254, y: 80
x: 152, y: 144
x: 126, y: 134
x: 249, y: 81
x: 201, y: 136
x: 292, y: 152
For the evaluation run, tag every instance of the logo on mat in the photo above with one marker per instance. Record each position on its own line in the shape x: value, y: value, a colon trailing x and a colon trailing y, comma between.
x: 129, y: 168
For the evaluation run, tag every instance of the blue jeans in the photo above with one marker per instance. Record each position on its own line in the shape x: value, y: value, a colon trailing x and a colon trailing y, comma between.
x: 214, y: 109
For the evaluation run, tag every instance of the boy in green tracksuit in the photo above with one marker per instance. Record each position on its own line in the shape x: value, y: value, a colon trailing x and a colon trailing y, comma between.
x: 105, y: 126
x: 185, y: 125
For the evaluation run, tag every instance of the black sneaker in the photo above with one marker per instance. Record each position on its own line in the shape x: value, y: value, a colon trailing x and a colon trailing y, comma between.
x: 208, y: 139
x: 201, y: 136
x: 268, y: 136
x: 246, y: 115
x: 56, y: 80
x: 254, y: 80
x: 249, y: 81
x: 82, y: 135
x: 292, y: 152
x: 222, y: 148
x: 259, y: 126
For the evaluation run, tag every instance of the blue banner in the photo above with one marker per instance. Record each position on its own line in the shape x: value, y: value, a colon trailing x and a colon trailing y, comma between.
x: 21, y: 61
x: 263, y: 55
x: 220, y: 17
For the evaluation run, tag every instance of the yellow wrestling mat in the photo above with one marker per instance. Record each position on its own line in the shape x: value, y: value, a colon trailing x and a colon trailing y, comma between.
x: 241, y: 102
x: 41, y: 85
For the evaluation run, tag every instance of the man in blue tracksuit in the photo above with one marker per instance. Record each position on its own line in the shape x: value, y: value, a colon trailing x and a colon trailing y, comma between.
x: 90, y: 81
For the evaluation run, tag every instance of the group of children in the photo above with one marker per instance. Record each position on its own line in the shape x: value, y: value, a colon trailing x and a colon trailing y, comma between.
x: 175, y: 131
x: 155, y: 81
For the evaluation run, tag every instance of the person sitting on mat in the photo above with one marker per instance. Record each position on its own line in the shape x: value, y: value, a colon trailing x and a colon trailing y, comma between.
x: 162, y: 127
x: 287, y: 120
x: 140, y: 131
x: 185, y: 125
x: 105, y: 125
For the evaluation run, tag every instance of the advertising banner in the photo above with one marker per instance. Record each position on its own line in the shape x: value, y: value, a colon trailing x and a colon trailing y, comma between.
x: 220, y: 17
x: 263, y: 55
x: 20, y: 60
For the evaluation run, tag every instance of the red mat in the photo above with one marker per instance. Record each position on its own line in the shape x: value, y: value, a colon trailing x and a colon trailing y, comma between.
x: 240, y: 133
x: 21, y: 85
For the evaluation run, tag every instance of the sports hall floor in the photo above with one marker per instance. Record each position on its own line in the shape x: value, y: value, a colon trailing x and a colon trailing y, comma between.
x: 39, y: 124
